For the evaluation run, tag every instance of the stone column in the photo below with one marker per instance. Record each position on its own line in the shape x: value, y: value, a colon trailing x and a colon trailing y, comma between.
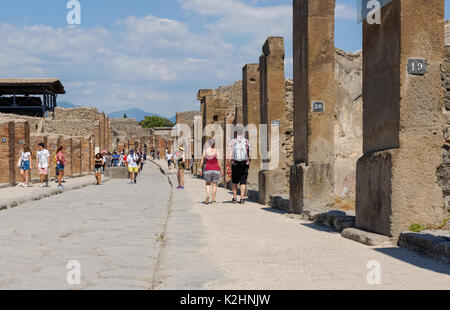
x: 22, y: 138
x: 77, y: 157
x: 68, y: 169
x: 198, y: 146
x: 7, y: 138
x: 97, y: 137
x: 272, y: 112
x: 312, y: 176
x: 402, y: 119
x: 85, y: 157
x: 252, y: 118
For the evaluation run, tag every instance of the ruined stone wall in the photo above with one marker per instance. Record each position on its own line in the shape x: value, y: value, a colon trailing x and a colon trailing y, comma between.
x: 443, y: 172
x: 348, y: 124
x: 123, y: 129
x: 287, y: 137
x: 230, y: 98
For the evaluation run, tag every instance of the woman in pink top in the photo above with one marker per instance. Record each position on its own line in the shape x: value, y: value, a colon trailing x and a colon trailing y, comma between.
x: 212, y: 171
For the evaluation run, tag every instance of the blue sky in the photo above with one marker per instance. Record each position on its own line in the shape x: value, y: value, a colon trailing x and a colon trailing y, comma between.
x: 149, y: 54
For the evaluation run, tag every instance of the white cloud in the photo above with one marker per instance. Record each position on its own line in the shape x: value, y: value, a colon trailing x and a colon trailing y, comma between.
x: 152, y: 63
x: 344, y: 11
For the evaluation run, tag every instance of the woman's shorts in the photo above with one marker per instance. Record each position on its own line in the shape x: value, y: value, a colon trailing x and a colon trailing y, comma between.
x: 98, y: 170
x: 133, y: 169
x: 43, y: 171
x: 25, y: 166
x: 212, y: 176
x: 60, y: 167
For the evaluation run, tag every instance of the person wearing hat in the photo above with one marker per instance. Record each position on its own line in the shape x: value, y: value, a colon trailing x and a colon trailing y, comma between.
x: 181, y: 161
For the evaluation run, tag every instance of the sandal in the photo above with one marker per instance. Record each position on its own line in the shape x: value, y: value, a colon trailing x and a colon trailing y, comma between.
x: 207, y: 200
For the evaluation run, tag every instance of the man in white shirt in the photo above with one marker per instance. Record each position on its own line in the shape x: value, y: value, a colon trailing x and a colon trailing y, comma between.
x: 132, y: 166
x: 42, y: 160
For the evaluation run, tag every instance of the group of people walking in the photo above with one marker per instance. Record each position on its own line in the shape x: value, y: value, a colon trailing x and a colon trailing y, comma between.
x: 238, y: 160
x: 134, y: 162
x: 42, y: 163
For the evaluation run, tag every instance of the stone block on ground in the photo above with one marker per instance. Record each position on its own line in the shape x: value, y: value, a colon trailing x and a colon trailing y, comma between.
x: 270, y: 183
x: 367, y: 238
x: 253, y: 195
x: 441, y: 252
x: 419, y: 242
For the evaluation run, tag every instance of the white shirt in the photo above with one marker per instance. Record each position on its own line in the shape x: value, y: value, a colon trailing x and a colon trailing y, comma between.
x: 26, y: 156
x: 43, y: 157
x: 132, y: 160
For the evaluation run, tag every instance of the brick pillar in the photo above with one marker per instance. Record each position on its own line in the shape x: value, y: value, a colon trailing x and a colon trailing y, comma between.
x: 107, y: 134
x: 7, y: 158
x: 273, y: 113
x: 22, y: 138
x: 97, y: 138
x: 312, y: 176
x: 198, y: 139
x: 85, y: 163
x: 77, y: 156
x: 102, y: 132
x: 67, y: 143
x: 402, y: 119
x: 251, y: 117
x: 91, y: 154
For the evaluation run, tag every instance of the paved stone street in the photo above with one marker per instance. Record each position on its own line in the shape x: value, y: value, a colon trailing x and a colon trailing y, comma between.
x: 110, y: 229
x: 120, y: 235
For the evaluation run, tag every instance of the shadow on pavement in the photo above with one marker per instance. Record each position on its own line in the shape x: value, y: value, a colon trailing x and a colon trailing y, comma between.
x: 416, y: 259
x: 273, y: 210
x: 320, y: 228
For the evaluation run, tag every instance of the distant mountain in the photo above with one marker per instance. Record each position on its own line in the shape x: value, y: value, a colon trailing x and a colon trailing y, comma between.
x: 173, y: 119
x: 66, y: 105
x: 137, y: 114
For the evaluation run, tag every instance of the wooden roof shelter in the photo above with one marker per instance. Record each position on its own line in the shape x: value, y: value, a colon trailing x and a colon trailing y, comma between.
x: 33, y: 97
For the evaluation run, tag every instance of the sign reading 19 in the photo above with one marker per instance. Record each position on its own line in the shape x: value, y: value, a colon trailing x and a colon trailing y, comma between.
x: 417, y: 66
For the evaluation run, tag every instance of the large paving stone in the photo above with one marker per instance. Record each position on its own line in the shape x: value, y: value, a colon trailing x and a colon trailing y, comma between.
x: 364, y: 237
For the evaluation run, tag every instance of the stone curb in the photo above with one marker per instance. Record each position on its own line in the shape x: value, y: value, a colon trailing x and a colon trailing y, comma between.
x: 39, y: 196
x: 367, y: 238
x: 427, y: 244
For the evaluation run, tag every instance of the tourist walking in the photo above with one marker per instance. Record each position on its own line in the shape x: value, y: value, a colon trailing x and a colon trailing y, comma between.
x: 181, y: 162
x: 240, y: 159
x: 213, y: 171
x: 169, y: 158
x: 42, y: 160
x: 25, y: 165
x: 60, y: 166
x: 132, y: 165
x: 98, y: 165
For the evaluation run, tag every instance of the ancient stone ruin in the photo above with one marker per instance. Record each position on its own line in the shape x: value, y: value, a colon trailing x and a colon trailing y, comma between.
x: 359, y: 133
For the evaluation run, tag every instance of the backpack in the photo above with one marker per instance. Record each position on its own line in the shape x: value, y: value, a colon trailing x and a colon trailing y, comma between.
x: 240, y: 150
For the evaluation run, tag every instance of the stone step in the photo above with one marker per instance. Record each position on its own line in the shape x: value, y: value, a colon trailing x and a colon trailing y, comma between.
x: 435, y: 244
